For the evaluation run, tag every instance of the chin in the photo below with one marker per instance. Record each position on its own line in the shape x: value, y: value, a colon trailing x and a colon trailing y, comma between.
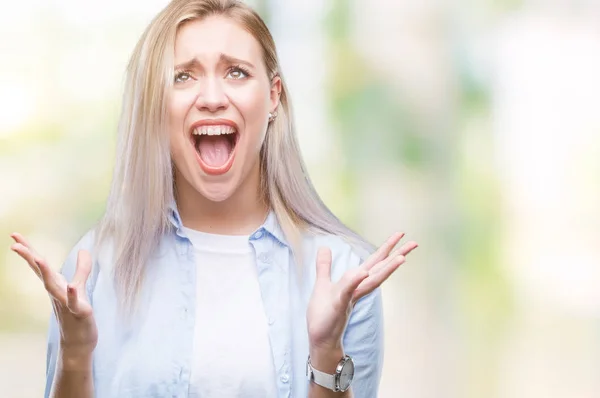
x: 215, y: 191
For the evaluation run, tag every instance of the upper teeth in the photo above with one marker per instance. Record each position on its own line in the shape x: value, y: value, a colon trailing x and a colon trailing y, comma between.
x: 214, y: 130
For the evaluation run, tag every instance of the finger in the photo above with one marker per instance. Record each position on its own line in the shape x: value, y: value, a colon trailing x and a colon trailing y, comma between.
x: 383, y: 251
x: 402, y: 251
x: 26, y: 255
x: 382, y: 264
x: 42, y: 270
x: 408, y: 247
x: 350, y: 282
x: 83, y: 268
x: 324, y: 264
x: 20, y: 239
x: 377, y: 278
x: 49, y: 277
x: 72, y: 299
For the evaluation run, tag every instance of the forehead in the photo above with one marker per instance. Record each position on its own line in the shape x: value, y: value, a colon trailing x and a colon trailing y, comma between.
x: 209, y: 37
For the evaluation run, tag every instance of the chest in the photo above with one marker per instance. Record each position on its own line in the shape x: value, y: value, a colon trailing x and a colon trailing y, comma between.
x: 154, y: 356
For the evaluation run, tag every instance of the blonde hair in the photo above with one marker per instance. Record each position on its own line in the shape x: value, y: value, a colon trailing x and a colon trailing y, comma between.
x: 142, y: 189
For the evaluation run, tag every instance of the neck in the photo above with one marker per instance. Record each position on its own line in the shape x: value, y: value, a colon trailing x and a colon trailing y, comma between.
x: 240, y: 214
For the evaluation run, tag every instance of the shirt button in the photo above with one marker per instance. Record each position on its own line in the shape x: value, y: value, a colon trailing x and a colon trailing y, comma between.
x: 271, y: 321
x: 285, y: 378
x: 257, y: 235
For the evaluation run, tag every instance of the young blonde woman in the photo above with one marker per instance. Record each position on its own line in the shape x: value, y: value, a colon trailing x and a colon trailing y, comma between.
x: 216, y: 270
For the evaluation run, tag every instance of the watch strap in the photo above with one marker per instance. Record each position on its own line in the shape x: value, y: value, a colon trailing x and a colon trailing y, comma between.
x: 323, y: 379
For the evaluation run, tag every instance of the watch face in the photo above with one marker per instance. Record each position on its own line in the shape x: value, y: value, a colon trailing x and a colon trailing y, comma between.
x: 346, y: 375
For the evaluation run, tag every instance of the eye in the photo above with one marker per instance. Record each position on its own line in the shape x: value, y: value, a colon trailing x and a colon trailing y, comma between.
x: 237, y: 73
x: 182, y: 77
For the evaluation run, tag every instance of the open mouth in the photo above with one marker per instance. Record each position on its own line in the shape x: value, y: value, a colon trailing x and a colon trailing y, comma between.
x: 215, y: 146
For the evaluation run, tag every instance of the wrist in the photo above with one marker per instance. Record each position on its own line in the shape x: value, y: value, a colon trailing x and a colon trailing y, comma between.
x: 74, y: 359
x: 326, y: 359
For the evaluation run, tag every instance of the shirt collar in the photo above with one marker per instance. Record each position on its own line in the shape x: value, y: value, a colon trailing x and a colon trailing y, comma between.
x: 273, y: 228
x: 173, y: 215
x: 271, y: 225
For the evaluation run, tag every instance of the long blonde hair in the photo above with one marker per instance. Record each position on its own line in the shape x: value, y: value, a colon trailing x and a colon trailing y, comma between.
x: 142, y: 189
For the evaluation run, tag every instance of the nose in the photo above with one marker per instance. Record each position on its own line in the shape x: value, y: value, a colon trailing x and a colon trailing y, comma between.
x: 211, y: 96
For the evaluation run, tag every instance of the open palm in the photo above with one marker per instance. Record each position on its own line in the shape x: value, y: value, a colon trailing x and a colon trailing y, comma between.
x: 69, y: 300
x: 331, y: 303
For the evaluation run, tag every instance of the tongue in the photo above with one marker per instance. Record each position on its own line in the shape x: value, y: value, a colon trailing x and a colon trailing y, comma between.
x: 214, y: 149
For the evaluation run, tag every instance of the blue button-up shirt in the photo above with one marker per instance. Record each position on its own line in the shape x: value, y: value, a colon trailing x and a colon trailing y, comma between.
x: 152, y: 355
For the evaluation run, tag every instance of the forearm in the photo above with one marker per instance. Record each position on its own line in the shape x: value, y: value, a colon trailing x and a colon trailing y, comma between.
x: 326, y: 361
x: 73, y: 377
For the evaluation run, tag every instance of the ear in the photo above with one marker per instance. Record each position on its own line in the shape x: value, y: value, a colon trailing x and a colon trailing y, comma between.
x: 275, y: 93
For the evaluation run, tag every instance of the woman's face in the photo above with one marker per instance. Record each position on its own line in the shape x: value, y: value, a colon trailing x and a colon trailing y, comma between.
x: 219, y: 106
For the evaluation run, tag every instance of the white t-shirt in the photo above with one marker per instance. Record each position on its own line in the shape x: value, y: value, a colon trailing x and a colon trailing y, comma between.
x: 232, y: 353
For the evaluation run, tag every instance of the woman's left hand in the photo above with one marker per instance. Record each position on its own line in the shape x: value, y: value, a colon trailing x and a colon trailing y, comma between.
x: 331, y: 303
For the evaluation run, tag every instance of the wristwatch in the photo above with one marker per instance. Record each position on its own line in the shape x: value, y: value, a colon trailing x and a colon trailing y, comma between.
x: 340, y: 381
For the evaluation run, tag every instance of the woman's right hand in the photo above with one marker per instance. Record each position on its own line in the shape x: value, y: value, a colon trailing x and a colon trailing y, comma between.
x: 78, y: 332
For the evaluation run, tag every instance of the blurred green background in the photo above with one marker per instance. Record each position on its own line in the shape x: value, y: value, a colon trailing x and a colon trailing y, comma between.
x: 473, y: 126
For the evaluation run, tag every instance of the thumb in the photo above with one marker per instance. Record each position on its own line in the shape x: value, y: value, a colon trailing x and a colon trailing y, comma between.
x: 83, y: 268
x: 324, y: 264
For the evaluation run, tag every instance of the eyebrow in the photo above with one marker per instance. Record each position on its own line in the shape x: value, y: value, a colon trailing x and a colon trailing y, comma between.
x: 223, y: 58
